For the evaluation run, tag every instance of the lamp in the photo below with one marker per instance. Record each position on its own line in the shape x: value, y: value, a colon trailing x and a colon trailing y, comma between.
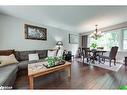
x: 59, y: 43
x: 96, y: 34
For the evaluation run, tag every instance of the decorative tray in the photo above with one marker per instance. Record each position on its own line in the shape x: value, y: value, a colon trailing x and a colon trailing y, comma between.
x: 60, y: 63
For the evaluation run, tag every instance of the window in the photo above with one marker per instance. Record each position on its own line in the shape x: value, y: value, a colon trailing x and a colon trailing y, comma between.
x: 125, y: 39
x: 116, y: 37
x: 107, y: 40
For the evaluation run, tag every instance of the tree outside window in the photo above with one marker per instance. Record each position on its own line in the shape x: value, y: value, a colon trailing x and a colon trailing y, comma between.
x: 107, y: 40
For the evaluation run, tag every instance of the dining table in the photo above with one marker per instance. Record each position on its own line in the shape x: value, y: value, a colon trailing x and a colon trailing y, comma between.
x: 96, y: 53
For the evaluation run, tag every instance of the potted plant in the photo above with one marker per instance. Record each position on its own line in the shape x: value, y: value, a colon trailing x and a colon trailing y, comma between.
x: 94, y: 46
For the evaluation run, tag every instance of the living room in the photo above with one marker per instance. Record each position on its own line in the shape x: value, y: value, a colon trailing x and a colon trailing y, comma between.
x: 25, y: 57
x: 15, y: 39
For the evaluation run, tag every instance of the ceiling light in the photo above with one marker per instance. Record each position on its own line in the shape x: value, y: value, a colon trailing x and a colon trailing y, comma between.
x: 96, y: 34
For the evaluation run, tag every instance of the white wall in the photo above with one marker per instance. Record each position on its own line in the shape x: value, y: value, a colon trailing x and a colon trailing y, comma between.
x: 12, y: 36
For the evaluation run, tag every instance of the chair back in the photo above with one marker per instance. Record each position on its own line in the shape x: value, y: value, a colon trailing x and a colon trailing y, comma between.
x: 79, y: 51
x: 113, y: 52
x: 100, y: 48
x: 86, y: 52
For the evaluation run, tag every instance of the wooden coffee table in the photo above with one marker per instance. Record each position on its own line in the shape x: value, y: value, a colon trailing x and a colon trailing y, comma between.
x: 38, y: 69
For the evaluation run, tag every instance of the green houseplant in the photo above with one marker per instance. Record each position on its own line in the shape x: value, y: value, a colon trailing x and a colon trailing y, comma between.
x: 93, y: 45
x: 52, y: 61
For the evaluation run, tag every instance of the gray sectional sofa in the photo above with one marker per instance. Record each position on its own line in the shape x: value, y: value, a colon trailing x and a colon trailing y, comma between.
x: 22, y: 57
x: 8, y: 73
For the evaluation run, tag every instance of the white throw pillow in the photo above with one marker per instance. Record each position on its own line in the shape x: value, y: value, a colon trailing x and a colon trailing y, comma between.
x: 51, y: 53
x: 5, y: 60
x: 33, y: 57
x: 60, y: 52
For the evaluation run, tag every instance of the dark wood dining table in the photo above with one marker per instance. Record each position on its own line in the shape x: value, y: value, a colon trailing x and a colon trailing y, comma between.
x: 96, y: 53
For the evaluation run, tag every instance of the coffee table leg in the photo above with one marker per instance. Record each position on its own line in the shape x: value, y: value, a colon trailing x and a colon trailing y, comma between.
x: 31, y: 82
x: 69, y: 72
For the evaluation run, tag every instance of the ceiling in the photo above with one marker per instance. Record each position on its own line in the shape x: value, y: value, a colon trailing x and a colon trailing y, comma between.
x: 72, y: 18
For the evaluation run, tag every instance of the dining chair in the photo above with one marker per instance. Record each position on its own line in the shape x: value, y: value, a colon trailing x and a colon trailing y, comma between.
x: 86, y: 54
x: 79, y: 52
x: 112, y: 56
x: 100, y: 48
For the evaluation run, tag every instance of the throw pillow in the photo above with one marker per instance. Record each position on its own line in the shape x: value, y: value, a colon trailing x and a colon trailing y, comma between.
x: 33, y: 57
x: 51, y: 53
x: 6, y: 60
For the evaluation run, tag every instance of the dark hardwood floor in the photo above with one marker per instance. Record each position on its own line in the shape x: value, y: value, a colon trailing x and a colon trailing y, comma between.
x: 83, y: 77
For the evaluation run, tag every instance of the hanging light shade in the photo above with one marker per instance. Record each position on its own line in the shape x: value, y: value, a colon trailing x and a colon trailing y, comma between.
x: 96, y: 34
x: 60, y: 43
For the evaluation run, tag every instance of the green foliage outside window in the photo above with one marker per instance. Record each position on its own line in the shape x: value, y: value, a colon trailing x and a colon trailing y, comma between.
x: 93, y: 45
x: 107, y: 40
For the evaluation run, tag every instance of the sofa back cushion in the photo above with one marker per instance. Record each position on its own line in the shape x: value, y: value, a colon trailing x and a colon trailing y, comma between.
x: 24, y: 55
x: 7, y: 52
x: 42, y: 53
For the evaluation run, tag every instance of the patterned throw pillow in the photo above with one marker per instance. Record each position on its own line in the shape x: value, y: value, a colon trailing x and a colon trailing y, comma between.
x: 33, y: 57
x: 51, y: 53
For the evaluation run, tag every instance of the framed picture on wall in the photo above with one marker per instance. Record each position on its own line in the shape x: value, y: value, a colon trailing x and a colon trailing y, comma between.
x: 73, y: 39
x: 35, y: 32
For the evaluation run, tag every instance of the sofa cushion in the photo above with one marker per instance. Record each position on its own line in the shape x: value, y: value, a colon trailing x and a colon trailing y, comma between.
x: 42, y: 53
x: 24, y: 64
x: 23, y: 55
x: 6, y: 72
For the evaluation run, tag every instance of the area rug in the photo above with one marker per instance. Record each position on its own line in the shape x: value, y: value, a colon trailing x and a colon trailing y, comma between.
x: 105, y: 65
